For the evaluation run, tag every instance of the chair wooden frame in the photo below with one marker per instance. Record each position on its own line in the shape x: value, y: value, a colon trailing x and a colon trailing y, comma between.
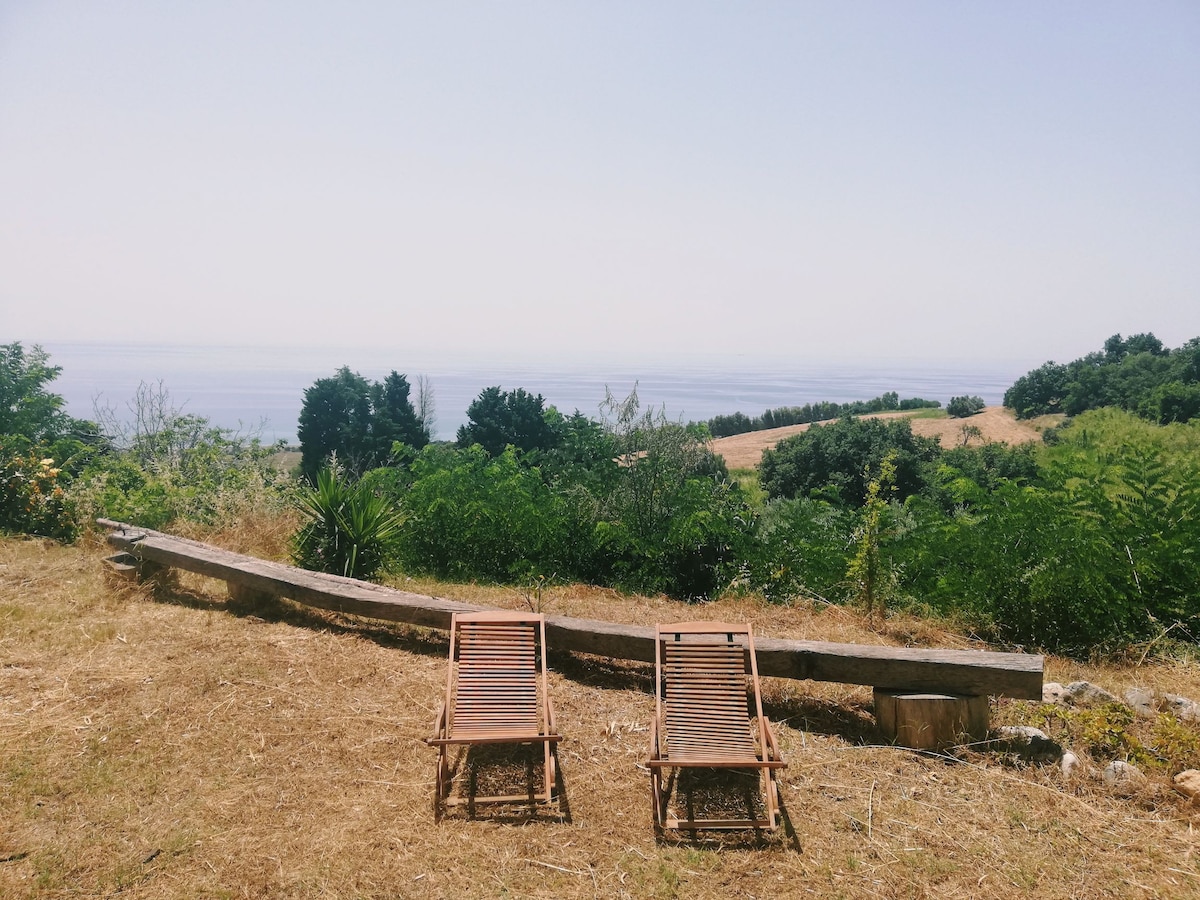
x: 497, y: 692
x: 702, y: 717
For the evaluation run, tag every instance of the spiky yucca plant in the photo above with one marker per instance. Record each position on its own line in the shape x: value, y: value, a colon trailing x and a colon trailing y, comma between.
x: 348, y: 529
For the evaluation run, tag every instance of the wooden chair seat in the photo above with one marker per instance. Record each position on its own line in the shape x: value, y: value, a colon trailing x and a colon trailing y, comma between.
x: 703, y: 708
x: 496, y: 693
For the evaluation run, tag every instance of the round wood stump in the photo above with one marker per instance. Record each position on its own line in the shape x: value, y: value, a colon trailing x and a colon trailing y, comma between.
x: 930, y: 721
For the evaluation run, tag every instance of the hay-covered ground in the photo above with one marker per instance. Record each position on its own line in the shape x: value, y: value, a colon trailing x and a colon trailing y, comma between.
x: 169, y: 743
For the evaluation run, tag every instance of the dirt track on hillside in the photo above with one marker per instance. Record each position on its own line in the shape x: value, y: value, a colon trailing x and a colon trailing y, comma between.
x: 995, y: 423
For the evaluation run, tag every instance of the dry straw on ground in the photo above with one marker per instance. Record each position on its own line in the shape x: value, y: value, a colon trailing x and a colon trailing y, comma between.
x: 165, y: 742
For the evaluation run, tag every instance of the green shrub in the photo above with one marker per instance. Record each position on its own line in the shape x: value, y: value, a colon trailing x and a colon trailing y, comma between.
x: 32, y: 498
x: 962, y: 407
x: 348, y: 530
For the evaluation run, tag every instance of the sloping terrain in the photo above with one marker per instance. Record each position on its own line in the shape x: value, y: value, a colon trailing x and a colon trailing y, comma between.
x: 995, y: 423
x: 168, y: 742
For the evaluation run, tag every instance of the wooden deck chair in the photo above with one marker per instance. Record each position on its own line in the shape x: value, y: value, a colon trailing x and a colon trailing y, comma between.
x: 496, y: 693
x: 703, y: 709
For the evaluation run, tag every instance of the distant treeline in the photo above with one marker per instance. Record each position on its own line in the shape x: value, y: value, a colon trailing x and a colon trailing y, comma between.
x: 740, y: 423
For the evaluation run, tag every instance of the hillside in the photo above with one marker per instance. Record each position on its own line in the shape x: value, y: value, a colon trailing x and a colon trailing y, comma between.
x: 169, y: 742
x: 996, y: 423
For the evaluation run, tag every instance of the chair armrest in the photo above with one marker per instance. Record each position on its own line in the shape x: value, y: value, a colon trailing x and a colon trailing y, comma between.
x: 439, y: 724
x: 772, y: 743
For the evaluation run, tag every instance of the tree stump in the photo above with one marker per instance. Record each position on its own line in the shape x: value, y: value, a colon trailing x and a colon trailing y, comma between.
x: 930, y: 721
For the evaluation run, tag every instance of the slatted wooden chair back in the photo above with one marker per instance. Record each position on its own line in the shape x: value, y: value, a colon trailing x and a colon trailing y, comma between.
x: 497, y: 679
x: 704, y: 699
x: 497, y: 692
x: 707, y: 693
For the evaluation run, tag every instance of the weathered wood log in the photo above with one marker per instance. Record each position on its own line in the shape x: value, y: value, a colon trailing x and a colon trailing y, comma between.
x: 931, y: 721
x: 966, y: 672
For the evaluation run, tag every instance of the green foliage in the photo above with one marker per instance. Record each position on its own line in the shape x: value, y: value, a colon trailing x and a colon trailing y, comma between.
x: 962, y: 477
x: 162, y: 465
x: 27, y: 408
x: 1112, y: 730
x: 801, y: 548
x: 498, y: 419
x: 41, y: 447
x: 639, y: 502
x: 1135, y: 374
x: 1038, y: 392
x: 1097, y: 552
x: 962, y: 407
x: 357, y: 420
x: 740, y: 423
x: 32, y: 500
x: 865, y: 571
x: 348, y: 530
x: 831, y: 460
x: 672, y: 521
x: 471, y: 516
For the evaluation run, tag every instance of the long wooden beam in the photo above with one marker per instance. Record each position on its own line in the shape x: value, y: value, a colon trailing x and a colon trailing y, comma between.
x: 966, y: 672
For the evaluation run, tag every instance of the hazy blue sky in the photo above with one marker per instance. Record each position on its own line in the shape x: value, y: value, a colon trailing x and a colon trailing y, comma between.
x: 835, y: 180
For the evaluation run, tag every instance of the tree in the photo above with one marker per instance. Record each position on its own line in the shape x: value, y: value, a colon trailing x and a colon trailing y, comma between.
x: 394, y: 419
x: 962, y: 407
x: 27, y: 408
x: 500, y: 418
x: 1038, y: 392
x: 830, y: 460
x: 357, y: 420
x: 335, y: 418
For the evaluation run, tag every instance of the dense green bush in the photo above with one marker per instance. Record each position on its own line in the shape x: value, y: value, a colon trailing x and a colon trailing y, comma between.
x: 32, y: 498
x: 1097, y: 552
x: 962, y: 407
x: 1136, y: 374
x: 471, y: 516
x: 348, y: 528
x: 833, y: 460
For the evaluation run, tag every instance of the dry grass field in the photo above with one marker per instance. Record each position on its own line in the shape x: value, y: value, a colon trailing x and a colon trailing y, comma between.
x: 163, y: 741
x: 995, y: 423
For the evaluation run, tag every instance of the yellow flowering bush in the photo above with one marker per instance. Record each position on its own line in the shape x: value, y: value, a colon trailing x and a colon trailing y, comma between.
x: 32, y: 499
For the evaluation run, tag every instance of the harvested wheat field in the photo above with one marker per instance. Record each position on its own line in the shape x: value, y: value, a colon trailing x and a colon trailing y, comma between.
x: 994, y: 423
x: 162, y: 741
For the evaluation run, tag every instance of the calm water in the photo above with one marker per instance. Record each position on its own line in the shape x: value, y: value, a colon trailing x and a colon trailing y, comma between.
x: 260, y: 390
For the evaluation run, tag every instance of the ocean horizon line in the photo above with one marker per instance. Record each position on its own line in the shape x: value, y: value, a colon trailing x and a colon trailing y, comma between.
x: 239, y: 386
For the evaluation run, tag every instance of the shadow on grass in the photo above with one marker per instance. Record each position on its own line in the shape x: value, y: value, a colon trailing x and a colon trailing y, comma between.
x: 854, y: 722
x: 510, y: 770
x: 166, y: 588
x: 729, y: 794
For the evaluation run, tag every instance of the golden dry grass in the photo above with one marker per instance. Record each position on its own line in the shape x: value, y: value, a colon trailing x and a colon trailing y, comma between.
x: 165, y: 742
x: 995, y: 423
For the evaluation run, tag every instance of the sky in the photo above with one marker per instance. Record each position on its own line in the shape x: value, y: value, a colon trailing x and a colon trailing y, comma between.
x: 827, y: 181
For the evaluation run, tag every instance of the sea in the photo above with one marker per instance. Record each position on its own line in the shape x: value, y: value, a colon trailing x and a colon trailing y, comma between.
x: 258, y: 391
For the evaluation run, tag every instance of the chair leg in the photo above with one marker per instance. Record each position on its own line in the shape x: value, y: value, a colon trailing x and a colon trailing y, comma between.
x: 656, y: 797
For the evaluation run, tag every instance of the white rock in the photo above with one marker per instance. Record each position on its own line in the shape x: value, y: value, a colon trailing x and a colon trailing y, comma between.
x: 1053, y: 692
x: 1182, y: 707
x: 1084, y: 692
x: 1069, y: 763
x: 1142, y: 701
x: 1029, y: 742
x: 1123, y: 777
x: 1187, y: 783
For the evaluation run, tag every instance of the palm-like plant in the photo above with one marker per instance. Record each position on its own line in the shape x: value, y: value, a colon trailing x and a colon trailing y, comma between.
x: 348, y: 530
